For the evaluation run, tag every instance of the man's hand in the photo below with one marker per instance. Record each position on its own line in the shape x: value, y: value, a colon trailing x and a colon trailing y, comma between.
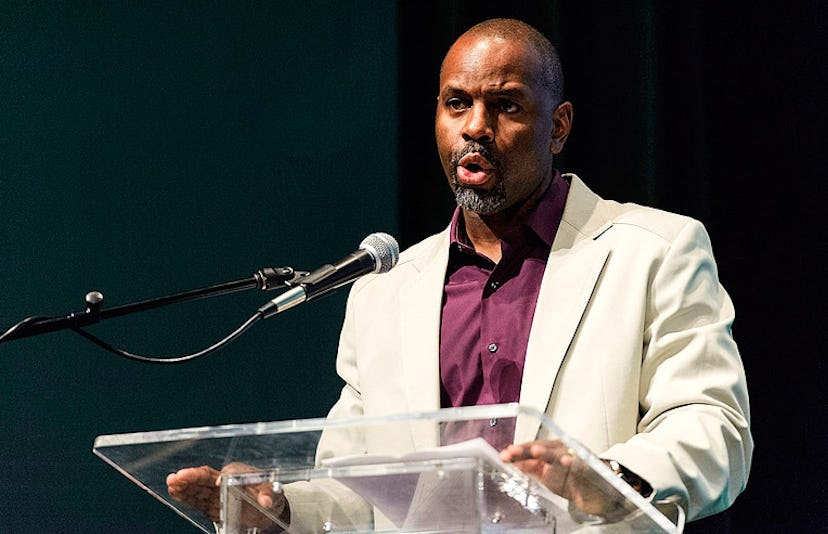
x: 556, y: 466
x: 197, y: 487
x: 200, y: 487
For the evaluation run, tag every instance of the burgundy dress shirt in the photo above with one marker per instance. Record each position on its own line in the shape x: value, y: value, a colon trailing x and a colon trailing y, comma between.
x: 488, y: 308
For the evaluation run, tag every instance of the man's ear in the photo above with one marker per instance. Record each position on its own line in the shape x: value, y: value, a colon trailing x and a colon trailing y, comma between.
x: 562, y: 124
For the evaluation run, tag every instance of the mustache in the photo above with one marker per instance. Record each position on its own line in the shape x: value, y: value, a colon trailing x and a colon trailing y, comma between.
x: 472, y: 147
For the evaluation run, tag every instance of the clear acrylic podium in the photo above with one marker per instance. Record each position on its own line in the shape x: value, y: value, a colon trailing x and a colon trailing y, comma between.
x: 423, y: 472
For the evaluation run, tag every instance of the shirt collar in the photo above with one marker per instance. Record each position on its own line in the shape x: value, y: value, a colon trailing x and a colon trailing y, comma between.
x: 543, y: 220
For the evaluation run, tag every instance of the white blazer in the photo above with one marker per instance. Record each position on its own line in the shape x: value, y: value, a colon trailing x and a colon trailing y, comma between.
x: 630, y: 350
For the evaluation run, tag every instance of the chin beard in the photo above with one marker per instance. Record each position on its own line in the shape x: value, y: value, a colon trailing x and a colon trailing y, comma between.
x: 480, y: 201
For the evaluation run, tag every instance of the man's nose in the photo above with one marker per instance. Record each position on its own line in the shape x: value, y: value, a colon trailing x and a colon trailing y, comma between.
x: 478, y: 125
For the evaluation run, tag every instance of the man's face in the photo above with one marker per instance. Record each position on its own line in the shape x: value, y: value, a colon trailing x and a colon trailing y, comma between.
x: 494, y: 124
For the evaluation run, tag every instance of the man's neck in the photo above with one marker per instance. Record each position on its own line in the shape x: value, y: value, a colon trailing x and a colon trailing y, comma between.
x: 485, y: 232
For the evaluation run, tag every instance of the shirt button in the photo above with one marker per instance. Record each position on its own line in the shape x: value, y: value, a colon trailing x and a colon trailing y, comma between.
x: 492, y: 347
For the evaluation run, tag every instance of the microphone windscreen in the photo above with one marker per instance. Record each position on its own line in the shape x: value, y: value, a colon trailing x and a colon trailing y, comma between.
x: 384, y: 249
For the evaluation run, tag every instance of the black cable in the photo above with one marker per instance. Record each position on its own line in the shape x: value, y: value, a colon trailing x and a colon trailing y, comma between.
x: 148, y: 359
x: 17, y: 326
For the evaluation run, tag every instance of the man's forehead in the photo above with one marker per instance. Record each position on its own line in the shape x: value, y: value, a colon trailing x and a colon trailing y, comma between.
x: 492, y: 58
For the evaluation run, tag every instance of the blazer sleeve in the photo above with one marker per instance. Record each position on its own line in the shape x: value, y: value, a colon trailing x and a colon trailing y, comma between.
x: 319, y: 502
x: 349, y: 405
x: 693, y: 441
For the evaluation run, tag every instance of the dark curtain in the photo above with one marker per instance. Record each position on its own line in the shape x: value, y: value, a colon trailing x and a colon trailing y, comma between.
x: 713, y: 110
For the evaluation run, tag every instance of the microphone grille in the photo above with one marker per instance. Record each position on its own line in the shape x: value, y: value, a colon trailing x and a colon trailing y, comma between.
x: 384, y: 249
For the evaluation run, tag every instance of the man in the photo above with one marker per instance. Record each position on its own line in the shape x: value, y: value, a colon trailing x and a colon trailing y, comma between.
x: 607, y: 317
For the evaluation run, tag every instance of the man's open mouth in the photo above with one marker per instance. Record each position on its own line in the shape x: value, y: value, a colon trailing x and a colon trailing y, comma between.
x: 473, y: 169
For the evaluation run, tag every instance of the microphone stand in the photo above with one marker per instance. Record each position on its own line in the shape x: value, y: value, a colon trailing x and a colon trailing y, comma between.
x: 264, y: 279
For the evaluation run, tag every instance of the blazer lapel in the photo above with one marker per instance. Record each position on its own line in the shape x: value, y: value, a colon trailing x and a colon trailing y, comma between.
x: 566, y: 289
x: 421, y: 305
x: 572, y: 273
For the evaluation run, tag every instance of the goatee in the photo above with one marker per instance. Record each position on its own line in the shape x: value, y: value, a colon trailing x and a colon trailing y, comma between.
x: 479, y: 200
x: 484, y: 202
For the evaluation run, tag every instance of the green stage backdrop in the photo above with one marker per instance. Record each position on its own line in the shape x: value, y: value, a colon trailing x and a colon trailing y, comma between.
x: 149, y: 150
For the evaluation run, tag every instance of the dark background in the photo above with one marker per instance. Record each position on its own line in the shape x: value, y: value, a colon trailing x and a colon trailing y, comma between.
x: 716, y: 110
x: 150, y: 149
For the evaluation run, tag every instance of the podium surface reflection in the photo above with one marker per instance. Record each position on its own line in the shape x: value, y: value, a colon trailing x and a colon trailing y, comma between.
x: 419, y: 472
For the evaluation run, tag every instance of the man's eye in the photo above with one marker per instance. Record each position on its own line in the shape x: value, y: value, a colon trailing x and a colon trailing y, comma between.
x: 509, y: 107
x: 455, y: 104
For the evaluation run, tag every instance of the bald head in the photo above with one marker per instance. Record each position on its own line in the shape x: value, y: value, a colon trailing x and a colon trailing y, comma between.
x: 551, y: 72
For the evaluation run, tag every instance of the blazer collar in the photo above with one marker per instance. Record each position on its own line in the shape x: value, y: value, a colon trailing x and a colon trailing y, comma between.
x: 583, y: 216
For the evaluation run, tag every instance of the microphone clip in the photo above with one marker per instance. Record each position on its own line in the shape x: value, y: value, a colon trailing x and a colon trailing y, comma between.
x: 271, y: 278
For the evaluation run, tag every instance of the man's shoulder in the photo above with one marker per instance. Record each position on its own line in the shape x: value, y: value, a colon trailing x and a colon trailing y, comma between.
x: 661, y: 224
x: 592, y: 214
x: 425, y: 248
x: 412, y: 260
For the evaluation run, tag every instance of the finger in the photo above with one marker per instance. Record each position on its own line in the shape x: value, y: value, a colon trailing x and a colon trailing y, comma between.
x: 531, y: 467
x: 263, y: 493
x: 552, y: 452
x: 514, y: 453
x: 192, y: 485
x: 204, y: 475
x: 526, y: 451
x: 265, y: 496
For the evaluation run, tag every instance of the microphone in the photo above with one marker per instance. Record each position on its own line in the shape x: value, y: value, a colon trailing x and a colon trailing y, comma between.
x: 377, y: 253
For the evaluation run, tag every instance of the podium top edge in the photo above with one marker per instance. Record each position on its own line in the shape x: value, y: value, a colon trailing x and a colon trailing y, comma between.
x: 310, y: 425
